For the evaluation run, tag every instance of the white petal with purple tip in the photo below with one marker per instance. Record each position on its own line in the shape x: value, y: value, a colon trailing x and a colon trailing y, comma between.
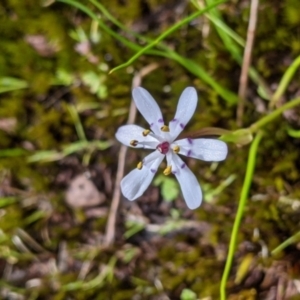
x: 204, y: 149
x: 148, y: 108
x: 137, y: 181
x: 185, y: 110
x: 127, y: 133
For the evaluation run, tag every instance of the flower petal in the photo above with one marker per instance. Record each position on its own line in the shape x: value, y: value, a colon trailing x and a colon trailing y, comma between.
x: 137, y: 181
x: 127, y: 133
x: 204, y: 149
x: 185, y: 109
x: 148, y: 108
x: 188, y: 182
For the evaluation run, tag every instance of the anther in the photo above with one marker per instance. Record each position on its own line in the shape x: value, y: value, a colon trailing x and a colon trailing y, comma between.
x: 165, y: 128
x: 146, y: 132
x: 133, y: 143
x: 176, y: 149
x: 139, y: 165
x: 168, y: 170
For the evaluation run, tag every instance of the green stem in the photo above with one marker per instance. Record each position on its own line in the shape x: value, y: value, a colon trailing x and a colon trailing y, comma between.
x: 285, y: 80
x: 240, y: 211
x: 269, y: 118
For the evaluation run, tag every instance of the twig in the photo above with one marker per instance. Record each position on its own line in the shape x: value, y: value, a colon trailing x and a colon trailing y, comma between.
x: 111, y: 222
x: 247, y: 60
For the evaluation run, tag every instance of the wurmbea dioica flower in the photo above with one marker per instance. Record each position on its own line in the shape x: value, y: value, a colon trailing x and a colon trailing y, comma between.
x: 162, y: 139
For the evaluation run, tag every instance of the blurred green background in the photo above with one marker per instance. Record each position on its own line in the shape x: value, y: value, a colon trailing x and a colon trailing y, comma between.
x: 59, y: 110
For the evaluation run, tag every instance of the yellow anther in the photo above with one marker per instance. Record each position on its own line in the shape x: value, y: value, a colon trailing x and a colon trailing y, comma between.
x: 146, y: 132
x: 139, y: 165
x: 168, y: 170
x: 133, y: 143
x: 165, y: 128
x: 176, y: 149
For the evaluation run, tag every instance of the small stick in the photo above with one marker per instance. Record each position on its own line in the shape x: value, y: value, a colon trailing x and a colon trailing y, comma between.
x: 111, y: 222
x: 247, y: 60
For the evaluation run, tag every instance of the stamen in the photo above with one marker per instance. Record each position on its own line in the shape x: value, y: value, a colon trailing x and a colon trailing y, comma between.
x: 168, y: 170
x: 176, y: 149
x: 140, y: 165
x: 165, y: 128
x: 146, y: 132
x: 133, y: 143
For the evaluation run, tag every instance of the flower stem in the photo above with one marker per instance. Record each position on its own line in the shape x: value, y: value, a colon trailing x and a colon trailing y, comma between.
x: 285, y: 80
x: 269, y: 118
x: 240, y: 211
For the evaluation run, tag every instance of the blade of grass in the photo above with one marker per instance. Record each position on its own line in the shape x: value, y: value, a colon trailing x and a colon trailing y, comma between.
x: 110, y: 17
x: 165, y: 34
x: 244, y: 136
x: 232, y: 41
x: 45, y: 156
x: 190, y: 65
x: 215, y: 17
x: 102, y: 25
x: 285, y: 80
x: 240, y: 211
x: 77, y: 122
x: 273, y: 115
x: 6, y: 201
x: 197, y: 70
x: 8, y: 84
x: 13, y: 152
x: 291, y: 240
x: 293, y: 133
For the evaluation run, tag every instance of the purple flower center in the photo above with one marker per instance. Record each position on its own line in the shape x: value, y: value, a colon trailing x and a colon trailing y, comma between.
x: 163, y: 148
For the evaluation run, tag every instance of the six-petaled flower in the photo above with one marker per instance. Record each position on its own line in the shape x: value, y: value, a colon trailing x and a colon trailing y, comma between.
x: 162, y: 139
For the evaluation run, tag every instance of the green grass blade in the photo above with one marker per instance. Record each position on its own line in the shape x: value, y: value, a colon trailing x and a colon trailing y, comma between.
x: 197, y: 70
x: 286, y: 78
x: 106, y: 13
x: 293, y: 132
x: 291, y: 240
x: 102, y: 25
x: 6, y: 201
x: 190, y: 65
x: 77, y: 122
x: 232, y: 41
x: 165, y: 34
x: 8, y: 84
x: 273, y: 115
x: 45, y: 156
x: 13, y: 152
x: 240, y: 211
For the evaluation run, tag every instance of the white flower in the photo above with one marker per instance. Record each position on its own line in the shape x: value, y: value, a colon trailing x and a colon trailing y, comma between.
x: 162, y: 139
